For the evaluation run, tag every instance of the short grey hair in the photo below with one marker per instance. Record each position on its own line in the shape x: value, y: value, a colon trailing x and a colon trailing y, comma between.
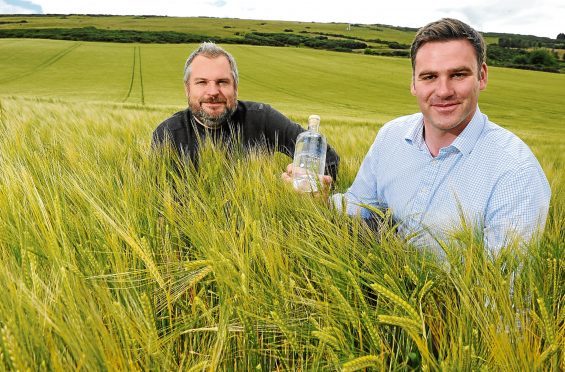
x: 211, y: 50
x: 448, y: 29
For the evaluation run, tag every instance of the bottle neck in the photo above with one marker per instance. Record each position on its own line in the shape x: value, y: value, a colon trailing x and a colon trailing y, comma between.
x: 313, y: 127
x: 314, y: 123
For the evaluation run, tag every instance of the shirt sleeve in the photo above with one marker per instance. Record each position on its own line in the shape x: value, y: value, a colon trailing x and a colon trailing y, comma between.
x: 518, y: 208
x: 363, y: 192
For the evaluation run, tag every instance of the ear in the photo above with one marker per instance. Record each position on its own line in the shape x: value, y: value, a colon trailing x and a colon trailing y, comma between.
x: 186, y: 89
x: 412, y: 87
x: 483, y: 76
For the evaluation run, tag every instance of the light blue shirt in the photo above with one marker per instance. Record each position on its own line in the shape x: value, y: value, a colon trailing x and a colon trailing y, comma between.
x: 487, y: 177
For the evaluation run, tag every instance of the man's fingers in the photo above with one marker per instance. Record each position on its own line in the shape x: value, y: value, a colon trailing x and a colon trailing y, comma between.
x: 286, y: 177
x: 289, y: 169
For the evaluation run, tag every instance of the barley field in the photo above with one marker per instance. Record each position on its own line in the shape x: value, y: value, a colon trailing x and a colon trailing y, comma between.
x: 114, y: 257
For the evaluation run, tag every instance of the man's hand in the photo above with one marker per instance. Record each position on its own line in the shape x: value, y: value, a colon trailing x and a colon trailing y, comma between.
x: 325, y: 181
x: 287, y: 175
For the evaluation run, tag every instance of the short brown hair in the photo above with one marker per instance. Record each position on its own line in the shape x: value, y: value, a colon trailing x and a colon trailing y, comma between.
x: 448, y: 29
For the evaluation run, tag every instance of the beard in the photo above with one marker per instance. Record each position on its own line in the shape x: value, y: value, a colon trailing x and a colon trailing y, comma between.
x: 212, y: 120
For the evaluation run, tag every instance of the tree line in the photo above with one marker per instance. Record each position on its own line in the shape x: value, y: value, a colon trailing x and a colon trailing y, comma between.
x: 539, y: 59
x: 173, y: 37
x: 526, y: 52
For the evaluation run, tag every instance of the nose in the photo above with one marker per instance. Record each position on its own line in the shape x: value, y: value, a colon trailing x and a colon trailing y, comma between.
x: 212, y: 88
x: 444, y: 88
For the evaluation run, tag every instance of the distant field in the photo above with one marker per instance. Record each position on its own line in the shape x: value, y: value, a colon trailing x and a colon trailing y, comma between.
x: 297, y: 81
x: 223, y: 27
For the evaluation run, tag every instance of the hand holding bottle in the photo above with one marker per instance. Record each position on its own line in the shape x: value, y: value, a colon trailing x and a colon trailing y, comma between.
x: 324, y: 180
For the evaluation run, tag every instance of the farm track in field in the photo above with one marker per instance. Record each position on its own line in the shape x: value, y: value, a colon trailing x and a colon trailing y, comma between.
x: 48, y: 62
x: 136, y: 70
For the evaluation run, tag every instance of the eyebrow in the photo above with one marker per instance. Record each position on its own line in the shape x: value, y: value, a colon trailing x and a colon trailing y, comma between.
x: 461, y: 69
x: 451, y: 71
x: 227, y: 78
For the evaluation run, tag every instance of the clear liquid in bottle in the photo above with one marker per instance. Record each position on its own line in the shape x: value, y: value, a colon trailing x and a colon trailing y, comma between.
x: 309, y: 158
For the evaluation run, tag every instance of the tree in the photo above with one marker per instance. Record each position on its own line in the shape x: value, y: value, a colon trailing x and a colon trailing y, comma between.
x: 542, y: 57
x: 561, y: 36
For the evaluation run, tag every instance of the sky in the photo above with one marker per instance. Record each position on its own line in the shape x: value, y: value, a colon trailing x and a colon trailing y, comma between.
x: 527, y: 17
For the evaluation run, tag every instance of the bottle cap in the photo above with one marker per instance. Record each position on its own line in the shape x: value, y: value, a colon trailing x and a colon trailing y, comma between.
x: 313, y: 122
x: 314, y: 118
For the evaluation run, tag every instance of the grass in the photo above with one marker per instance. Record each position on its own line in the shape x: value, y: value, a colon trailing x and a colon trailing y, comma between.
x: 112, y: 258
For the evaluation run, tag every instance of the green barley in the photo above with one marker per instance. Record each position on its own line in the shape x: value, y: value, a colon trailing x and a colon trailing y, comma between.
x: 361, y: 363
x: 406, y: 323
x: 14, y: 351
x: 411, y: 274
x: 547, y: 322
x: 394, y: 298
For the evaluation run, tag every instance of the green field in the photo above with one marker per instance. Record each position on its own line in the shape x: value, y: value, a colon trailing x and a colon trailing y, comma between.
x: 111, y: 260
x: 223, y: 27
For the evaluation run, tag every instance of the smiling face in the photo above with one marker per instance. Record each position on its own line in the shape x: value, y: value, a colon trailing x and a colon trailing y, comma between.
x: 446, y: 83
x: 211, y: 90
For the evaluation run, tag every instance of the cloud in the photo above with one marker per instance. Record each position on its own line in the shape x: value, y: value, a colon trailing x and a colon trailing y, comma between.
x: 218, y: 3
x: 19, y: 7
x: 534, y: 17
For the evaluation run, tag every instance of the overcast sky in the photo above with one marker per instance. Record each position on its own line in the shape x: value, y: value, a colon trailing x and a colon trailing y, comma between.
x: 528, y: 17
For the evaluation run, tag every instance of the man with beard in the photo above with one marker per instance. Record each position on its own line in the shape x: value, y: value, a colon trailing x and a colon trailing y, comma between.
x: 210, y: 83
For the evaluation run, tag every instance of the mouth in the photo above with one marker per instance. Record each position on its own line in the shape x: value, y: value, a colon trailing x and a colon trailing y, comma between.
x: 445, y: 107
x: 213, y: 105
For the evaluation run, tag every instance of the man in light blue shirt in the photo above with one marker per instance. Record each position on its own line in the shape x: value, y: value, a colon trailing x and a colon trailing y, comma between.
x: 449, y: 163
x: 487, y: 176
x: 449, y: 166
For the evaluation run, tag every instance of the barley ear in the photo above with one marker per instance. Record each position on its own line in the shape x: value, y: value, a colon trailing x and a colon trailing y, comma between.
x: 13, y: 350
x: 394, y: 298
x: 361, y: 363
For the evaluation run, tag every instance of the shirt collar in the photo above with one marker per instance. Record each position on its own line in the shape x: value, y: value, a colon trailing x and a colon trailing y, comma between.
x: 415, y: 133
x: 464, y: 142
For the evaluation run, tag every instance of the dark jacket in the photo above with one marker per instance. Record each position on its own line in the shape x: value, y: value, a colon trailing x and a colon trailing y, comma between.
x: 253, y: 124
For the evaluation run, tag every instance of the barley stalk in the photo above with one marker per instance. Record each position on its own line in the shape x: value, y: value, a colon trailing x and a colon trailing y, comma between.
x: 289, y: 334
x: 396, y: 300
x: 424, y: 290
x: 357, y: 289
x: 343, y: 304
x: 406, y: 323
x: 548, y: 352
x: 13, y: 350
x: 361, y: 363
x: 411, y: 274
x: 548, y: 325
x: 327, y: 339
x: 369, y: 324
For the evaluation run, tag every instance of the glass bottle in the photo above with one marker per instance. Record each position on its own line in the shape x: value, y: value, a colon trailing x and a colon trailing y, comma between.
x: 309, y: 157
